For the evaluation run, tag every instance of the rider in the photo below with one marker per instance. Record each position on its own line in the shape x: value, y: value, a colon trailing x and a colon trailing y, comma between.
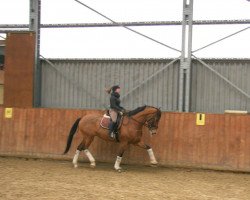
x: 115, y: 108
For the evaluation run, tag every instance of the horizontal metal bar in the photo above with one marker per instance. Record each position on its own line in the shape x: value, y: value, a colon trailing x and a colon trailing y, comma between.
x: 145, y: 23
x: 14, y: 30
x: 221, y: 22
x: 14, y: 26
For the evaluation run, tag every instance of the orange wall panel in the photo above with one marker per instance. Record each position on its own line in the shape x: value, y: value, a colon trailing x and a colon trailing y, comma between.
x: 222, y: 143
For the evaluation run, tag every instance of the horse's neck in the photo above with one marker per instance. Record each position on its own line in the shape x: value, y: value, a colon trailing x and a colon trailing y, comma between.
x: 142, y: 116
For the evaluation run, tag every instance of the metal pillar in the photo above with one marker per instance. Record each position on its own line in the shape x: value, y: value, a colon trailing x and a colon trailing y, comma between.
x: 186, y: 53
x: 34, y: 25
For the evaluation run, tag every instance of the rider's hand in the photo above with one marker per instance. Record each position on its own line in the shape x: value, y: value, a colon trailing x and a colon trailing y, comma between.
x: 121, y: 113
x: 124, y: 111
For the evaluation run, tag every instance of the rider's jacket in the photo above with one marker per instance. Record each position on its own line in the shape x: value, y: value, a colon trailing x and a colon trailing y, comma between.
x: 115, y: 102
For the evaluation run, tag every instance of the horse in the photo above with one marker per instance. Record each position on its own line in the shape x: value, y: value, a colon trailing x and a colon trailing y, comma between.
x: 130, y: 132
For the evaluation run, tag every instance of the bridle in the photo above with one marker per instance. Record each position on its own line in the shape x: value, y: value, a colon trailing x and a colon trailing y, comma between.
x: 149, y: 123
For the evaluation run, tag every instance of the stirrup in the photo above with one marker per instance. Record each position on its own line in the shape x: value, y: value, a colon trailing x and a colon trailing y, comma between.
x: 112, y: 135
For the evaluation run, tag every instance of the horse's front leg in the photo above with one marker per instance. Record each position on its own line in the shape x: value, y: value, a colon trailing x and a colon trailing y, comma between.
x: 150, y: 152
x: 123, y: 146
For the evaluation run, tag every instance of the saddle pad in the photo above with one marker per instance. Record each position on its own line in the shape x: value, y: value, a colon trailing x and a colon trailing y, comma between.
x: 105, y: 121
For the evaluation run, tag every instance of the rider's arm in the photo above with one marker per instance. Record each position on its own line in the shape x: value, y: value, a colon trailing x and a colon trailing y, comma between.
x: 113, y: 105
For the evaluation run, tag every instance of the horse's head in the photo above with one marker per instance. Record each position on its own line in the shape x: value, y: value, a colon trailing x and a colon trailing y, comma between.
x: 146, y: 116
x: 152, y: 119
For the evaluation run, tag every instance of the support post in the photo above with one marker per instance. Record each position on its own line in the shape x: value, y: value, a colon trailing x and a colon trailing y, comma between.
x: 34, y: 25
x: 185, y: 62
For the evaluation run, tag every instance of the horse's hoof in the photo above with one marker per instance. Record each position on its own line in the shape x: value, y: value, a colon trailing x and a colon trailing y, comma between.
x: 75, y: 166
x: 119, y: 170
x: 154, y: 164
x: 92, y: 165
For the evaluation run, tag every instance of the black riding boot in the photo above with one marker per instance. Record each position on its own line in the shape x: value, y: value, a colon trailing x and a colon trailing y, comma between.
x: 111, y: 130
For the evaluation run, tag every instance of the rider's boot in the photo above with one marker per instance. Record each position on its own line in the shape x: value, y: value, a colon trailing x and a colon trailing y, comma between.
x: 111, y: 130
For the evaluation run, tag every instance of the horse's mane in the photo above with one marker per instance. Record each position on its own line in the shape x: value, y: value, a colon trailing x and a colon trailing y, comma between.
x: 135, y: 111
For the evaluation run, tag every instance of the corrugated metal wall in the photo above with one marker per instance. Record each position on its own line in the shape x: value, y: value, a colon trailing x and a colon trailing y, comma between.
x: 212, y: 94
x: 81, y: 83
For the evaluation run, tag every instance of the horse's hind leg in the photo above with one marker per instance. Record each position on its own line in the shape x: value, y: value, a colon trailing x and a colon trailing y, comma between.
x: 76, y: 156
x: 87, y: 152
x: 83, y: 146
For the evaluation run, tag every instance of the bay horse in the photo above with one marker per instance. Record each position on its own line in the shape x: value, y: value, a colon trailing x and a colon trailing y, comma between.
x: 130, y: 133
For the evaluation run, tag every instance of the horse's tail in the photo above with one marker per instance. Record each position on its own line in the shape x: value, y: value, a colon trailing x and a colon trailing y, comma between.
x: 71, y: 135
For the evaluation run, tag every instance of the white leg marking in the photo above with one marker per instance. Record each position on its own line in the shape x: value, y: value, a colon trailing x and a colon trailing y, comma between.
x: 75, y: 159
x: 117, y: 163
x: 90, y: 157
x: 152, y: 157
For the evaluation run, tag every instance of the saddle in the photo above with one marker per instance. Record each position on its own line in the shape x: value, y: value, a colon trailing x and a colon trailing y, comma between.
x: 106, y: 119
